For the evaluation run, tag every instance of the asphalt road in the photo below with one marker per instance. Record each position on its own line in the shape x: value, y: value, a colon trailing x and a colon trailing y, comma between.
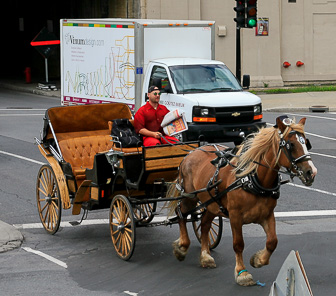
x: 92, y: 268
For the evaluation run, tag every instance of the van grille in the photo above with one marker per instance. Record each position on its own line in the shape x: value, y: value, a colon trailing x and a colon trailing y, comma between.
x: 233, y: 115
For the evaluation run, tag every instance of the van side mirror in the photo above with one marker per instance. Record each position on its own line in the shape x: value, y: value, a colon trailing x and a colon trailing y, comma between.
x: 246, y: 81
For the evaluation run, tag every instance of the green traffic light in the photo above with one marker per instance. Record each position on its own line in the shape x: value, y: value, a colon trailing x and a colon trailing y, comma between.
x: 252, y: 22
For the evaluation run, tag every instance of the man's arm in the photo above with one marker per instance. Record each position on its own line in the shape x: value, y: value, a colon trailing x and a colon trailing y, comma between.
x: 145, y: 132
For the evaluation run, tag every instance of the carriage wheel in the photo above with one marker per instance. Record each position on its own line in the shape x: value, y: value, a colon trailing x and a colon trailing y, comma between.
x: 148, y: 209
x: 49, y: 203
x: 215, y: 233
x: 122, y: 227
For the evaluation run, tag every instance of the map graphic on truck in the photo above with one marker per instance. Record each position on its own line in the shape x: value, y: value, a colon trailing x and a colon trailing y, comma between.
x: 98, y: 63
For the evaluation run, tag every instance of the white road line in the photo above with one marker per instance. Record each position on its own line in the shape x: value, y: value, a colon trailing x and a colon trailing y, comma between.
x: 50, y: 258
x: 312, y: 116
x: 293, y: 214
x: 311, y: 134
x: 22, y: 109
x: 319, y: 136
x: 305, y: 213
x: 312, y: 189
x: 131, y: 293
x: 22, y: 157
x: 10, y: 115
x: 324, y: 155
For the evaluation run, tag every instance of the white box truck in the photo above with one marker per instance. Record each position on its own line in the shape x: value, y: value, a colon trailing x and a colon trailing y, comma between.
x: 116, y: 60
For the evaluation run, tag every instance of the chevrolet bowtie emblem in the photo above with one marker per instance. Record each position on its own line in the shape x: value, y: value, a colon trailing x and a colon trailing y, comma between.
x: 235, y: 114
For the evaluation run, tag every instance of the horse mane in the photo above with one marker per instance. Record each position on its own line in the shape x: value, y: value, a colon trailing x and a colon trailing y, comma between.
x: 254, y: 149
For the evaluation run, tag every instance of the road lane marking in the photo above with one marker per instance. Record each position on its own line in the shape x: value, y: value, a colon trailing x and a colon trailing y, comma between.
x: 319, y: 136
x: 22, y: 157
x: 324, y: 155
x: 48, y: 257
x: 312, y: 116
x: 311, y: 134
x: 11, y: 115
x: 292, y: 214
x: 22, y: 109
x: 312, y: 189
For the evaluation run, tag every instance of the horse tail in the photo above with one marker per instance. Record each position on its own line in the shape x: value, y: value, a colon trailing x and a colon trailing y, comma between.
x: 173, y: 192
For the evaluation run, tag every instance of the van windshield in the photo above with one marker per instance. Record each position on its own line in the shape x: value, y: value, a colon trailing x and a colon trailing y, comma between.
x: 203, y: 78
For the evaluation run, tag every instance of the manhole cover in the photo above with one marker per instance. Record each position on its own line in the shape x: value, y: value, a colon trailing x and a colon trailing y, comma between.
x: 319, y: 109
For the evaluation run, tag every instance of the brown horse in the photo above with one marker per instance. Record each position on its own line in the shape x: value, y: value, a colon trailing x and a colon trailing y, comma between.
x: 247, y: 191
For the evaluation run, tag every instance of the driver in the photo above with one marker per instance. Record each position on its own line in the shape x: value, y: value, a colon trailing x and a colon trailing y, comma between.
x: 147, y: 120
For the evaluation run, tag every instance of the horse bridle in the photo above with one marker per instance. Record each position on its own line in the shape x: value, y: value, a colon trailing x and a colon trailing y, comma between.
x: 286, y: 148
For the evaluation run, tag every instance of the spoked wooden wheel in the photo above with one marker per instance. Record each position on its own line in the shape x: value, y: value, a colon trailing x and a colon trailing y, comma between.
x: 148, y: 209
x: 122, y: 227
x: 48, y: 199
x: 215, y: 233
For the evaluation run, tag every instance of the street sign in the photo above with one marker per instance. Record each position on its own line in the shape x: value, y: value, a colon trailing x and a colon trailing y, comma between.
x: 45, y: 42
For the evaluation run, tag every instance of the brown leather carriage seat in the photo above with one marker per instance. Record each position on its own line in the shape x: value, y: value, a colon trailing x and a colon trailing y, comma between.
x: 82, y: 131
x: 80, y: 152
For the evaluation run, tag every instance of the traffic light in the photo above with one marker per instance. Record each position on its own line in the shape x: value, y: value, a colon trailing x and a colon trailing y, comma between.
x: 251, y: 13
x: 240, y: 13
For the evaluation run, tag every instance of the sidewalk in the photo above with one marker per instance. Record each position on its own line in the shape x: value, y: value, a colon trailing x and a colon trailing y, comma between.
x: 289, y: 102
x: 10, y: 237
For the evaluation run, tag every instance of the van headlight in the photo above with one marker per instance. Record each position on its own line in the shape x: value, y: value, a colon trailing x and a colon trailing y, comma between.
x: 204, y: 112
x: 257, y: 110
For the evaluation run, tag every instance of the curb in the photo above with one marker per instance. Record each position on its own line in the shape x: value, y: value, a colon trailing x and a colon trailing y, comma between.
x: 10, y: 237
x: 30, y: 89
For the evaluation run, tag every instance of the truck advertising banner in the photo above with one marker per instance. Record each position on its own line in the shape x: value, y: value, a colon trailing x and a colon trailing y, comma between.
x: 97, y: 63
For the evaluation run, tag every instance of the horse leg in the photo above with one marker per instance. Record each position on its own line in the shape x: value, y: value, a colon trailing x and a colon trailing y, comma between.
x: 181, y: 245
x: 242, y: 276
x: 205, y: 259
x: 262, y: 257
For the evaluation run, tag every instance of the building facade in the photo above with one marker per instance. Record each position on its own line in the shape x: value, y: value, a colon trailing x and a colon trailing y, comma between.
x: 296, y: 32
x: 299, y: 33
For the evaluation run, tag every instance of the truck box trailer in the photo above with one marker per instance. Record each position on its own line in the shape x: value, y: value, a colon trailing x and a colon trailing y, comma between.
x: 116, y: 60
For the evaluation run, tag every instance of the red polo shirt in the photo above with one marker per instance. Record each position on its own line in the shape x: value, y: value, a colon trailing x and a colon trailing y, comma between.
x: 149, y: 118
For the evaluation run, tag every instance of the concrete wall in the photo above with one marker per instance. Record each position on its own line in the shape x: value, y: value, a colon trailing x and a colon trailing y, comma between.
x: 302, y: 31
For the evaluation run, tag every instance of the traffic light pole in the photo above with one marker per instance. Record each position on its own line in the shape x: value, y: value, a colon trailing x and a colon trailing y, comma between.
x: 238, y: 56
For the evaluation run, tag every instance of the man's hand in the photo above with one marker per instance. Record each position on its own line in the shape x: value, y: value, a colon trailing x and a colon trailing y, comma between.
x: 157, y: 135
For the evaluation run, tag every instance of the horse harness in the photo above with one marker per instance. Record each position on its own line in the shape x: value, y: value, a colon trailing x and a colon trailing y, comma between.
x: 250, y: 182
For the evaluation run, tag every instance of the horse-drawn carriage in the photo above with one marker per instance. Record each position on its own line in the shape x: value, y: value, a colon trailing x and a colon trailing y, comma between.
x: 88, y: 169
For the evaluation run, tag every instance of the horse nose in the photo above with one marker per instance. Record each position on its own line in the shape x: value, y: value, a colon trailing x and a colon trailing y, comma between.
x: 313, y: 170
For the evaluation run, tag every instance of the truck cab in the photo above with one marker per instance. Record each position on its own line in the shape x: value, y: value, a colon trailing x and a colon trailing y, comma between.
x: 216, y: 106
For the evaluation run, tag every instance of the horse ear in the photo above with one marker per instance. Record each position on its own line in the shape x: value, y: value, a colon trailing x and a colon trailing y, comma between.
x: 302, y: 121
x: 280, y: 124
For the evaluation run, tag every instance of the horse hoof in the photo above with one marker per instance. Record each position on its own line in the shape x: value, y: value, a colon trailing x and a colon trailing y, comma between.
x: 245, y: 279
x: 255, y: 260
x: 179, y: 252
x: 207, y: 261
